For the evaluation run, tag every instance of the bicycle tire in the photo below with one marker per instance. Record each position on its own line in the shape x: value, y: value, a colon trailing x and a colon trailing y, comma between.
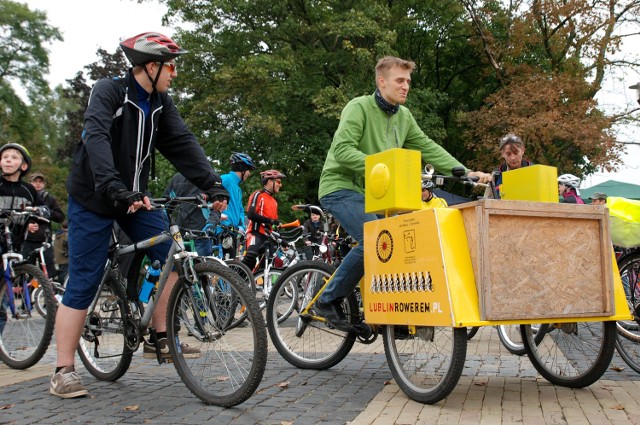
x: 232, y: 361
x: 103, y: 344
x: 247, y: 276
x: 629, y: 350
x: 39, y: 300
x: 511, y: 338
x: 471, y: 332
x: 428, y: 364
x: 630, y: 276
x: 571, y: 355
x: 24, y: 338
x: 307, y: 344
x: 628, y: 338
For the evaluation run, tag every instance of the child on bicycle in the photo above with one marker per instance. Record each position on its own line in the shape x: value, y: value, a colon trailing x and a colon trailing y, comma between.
x: 262, y: 211
x: 125, y: 120
x: 15, y: 161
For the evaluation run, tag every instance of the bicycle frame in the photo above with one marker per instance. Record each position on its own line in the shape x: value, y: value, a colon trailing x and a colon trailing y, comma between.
x: 176, y: 252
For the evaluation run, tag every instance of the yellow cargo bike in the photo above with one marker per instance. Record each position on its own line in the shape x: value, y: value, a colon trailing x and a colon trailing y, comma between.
x: 430, y: 274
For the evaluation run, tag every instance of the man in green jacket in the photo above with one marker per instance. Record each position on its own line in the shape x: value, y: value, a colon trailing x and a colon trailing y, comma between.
x: 368, y: 125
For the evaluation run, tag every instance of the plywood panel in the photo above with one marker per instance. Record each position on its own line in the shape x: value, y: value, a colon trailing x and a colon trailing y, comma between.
x: 537, y: 260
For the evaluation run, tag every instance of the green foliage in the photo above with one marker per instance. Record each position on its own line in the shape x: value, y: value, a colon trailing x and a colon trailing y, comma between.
x: 23, y: 57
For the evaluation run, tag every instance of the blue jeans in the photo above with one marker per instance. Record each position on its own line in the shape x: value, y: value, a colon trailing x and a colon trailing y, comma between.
x: 347, y: 207
x: 89, y: 236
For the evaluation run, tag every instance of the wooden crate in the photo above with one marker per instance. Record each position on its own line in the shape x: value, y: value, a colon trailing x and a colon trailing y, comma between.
x: 540, y: 260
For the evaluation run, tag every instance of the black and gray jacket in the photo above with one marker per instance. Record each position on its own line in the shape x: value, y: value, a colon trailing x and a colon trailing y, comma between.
x: 115, y: 148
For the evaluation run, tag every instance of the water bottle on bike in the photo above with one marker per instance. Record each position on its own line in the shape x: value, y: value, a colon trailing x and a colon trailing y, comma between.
x: 149, y: 283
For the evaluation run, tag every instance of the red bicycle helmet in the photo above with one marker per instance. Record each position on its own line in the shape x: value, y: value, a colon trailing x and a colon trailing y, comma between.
x: 270, y: 174
x: 150, y: 47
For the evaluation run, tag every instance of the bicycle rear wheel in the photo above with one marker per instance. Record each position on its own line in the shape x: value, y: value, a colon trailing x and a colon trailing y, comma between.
x: 263, y: 288
x: 26, y: 335
x: 103, y: 344
x: 300, y: 340
x: 428, y: 364
x: 232, y: 361
x: 245, y: 273
x: 571, y: 354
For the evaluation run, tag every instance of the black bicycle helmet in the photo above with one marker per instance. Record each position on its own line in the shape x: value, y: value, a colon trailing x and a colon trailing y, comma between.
x: 25, y: 154
x: 429, y: 185
x: 150, y: 47
x: 241, y: 162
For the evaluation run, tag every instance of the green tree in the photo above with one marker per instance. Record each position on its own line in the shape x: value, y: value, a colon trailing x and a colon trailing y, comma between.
x: 550, y: 60
x: 271, y: 77
x: 23, y: 61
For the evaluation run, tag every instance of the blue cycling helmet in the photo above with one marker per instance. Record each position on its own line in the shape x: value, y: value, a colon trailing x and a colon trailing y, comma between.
x: 241, y: 162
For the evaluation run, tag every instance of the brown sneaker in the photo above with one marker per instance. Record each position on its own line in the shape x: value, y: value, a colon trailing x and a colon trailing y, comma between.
x: 149, y: 350
x: 67, y: 384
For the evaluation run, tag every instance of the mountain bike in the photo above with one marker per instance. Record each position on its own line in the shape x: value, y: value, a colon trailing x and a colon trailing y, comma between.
x: 232, y: 361
x: 25, y: 333
x: 423, y: 319
x: 278, y: 253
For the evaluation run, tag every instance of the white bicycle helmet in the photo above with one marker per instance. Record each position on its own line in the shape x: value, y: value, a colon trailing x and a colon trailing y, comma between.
x: 569, y: 180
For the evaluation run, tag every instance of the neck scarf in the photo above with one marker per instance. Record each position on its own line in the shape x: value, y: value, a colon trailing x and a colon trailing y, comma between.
x: 384, y: 105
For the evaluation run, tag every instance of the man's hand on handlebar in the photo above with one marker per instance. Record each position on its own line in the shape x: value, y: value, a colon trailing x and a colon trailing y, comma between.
x: 481, y: 177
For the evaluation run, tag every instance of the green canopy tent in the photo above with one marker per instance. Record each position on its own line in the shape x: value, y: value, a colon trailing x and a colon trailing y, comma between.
x: 613, y: 188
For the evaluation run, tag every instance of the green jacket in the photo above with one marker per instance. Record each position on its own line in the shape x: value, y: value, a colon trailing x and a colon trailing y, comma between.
x: 366, y: 129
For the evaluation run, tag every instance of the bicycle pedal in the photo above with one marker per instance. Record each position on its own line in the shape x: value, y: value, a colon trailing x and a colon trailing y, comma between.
x: 306, y: 317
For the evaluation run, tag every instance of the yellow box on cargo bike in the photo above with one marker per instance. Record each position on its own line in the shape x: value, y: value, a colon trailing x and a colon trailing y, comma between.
x: 430, y: 274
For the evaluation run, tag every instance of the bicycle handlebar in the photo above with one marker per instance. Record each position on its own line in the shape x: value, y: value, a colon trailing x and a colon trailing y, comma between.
x: 439, y: 179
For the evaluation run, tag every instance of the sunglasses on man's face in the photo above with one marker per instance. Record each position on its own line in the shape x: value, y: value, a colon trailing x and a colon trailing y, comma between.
x: 170, y: 65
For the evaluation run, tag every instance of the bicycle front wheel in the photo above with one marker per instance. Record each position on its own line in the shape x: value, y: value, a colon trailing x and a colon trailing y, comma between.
x: 25, y: 335
x: 103, y: 344
x: 426, y: 365
x: 302, y: 341
x: 228, y: 363
x: 573, y: 354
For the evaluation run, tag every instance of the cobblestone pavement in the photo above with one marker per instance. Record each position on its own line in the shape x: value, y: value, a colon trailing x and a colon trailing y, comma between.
x: 496, y: 387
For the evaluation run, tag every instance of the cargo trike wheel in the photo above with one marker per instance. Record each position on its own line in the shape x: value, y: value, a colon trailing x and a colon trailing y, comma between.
x: 426, y: 365
x: 572, y: 354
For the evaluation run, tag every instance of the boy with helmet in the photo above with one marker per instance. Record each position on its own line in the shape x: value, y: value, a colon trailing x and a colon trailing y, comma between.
x: 568, y: 185
x: 125, y: 120
x: 262, y: 211
x: 15, y: 193
x: 241, y: 167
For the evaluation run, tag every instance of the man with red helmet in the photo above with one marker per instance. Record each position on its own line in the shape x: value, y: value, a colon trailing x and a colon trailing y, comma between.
x: 262, y: 211
x: 125, y: 120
